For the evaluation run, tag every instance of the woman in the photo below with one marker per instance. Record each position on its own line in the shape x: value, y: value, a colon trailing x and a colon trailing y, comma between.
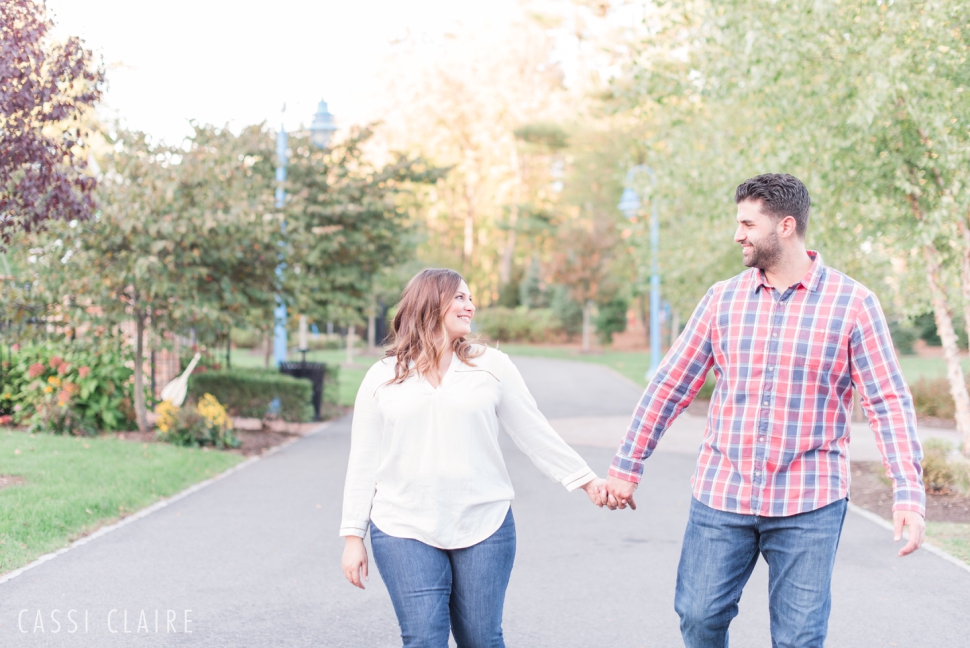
x: 426, y: 473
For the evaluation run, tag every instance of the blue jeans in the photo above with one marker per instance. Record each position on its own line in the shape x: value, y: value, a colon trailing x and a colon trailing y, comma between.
x: 436, y: 589
x: 720, y: 552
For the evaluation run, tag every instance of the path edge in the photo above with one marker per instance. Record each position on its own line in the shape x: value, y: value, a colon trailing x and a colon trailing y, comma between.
x: 157, y: 506
x: 926, y: 546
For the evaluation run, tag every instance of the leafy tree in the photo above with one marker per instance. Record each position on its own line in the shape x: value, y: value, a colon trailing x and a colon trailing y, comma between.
x: 45, y: 89
x: 346, y: 221
x: 182, y: 241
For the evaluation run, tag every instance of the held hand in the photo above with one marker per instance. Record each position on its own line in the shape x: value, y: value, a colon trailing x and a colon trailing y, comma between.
x: 354, y: 561
x: 596, y: 490
x: 620, y: 493
x: 917, y: 530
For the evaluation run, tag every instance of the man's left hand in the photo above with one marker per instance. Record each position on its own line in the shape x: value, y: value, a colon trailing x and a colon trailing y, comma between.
x: 917, y: 530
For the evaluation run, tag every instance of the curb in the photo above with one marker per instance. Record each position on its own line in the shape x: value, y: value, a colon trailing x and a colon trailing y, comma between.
x: 157, y: 506
x: 926, y: 546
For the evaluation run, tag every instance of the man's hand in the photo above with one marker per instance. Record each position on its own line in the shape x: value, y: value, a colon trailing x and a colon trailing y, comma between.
x: 596, y: 490
x: 354, y: 561
x: 917, y: 530
x: 620, y: 493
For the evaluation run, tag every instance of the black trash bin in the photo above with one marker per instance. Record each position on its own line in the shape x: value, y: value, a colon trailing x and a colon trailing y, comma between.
x: 315, y: 372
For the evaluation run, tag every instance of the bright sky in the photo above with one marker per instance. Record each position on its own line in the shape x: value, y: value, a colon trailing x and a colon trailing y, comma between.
x: 238, y: 61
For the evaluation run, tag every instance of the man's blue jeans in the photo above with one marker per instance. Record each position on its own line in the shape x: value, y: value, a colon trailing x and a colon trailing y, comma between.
x: 720, y: 552
x: 436, y: 589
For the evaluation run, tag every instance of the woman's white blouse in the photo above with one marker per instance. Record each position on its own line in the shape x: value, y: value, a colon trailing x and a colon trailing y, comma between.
x: 425, y: 463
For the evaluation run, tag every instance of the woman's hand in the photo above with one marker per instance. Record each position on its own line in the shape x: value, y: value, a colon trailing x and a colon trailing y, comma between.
x: 596, y: 490
x: 354, y: 561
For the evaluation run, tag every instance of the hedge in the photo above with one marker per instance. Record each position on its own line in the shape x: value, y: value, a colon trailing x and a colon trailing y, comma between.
x: 250, y: 392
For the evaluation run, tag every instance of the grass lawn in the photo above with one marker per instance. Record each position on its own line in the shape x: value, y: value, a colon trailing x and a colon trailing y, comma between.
x: 74, y: 485
x: 952, y: 537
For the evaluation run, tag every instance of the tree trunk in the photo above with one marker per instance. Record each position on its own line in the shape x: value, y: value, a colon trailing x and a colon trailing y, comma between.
x: 965, y: 271
x: 587, y: 324
x: 944, y: 324
x: 267, y: 348
x: 505, y: 269
x: 351, y: 332
x: 141, y: 414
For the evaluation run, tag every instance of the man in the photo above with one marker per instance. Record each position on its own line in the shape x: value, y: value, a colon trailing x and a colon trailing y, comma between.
x: 787, y: 339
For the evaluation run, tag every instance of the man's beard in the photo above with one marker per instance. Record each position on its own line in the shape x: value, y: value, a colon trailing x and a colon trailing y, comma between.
x: 764, y: 254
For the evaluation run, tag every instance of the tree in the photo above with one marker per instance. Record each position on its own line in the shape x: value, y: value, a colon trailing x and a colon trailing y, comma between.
x: 347, y: 220
x: 182, y: 241
x: 45, y: 89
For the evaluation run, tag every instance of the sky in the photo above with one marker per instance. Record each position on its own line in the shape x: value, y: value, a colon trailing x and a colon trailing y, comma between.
x: 237, y: 62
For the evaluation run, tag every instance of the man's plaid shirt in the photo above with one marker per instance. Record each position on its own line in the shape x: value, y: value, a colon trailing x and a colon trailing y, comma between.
x: 777, y: 437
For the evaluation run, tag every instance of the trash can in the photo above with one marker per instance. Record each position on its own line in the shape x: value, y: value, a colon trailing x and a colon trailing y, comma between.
x: 315, y: 372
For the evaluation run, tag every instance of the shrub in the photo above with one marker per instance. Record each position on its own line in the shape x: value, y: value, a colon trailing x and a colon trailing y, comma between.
x: 75, y: 387
x: 931, y: 397
x: 611, y: 319
x: 518, y: 324
x: 903, y: 335
x: 252, y: 392
x: 246, y: 338
x: 938, y: 474
x: 202, y: 423
x: 567, y: 310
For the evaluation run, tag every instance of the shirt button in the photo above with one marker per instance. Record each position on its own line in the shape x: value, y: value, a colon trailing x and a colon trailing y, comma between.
x: 762, y: 439
x: 765, y: 403
x: 770, y: 369
x: 774, y: 335
x: 757, y: 473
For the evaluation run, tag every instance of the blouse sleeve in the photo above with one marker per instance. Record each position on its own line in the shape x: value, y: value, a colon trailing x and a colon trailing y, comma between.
x: 365, y: 458
x: 534, y: 436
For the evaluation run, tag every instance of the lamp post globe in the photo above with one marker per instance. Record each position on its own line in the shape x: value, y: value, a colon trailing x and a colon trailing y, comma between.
x: 322, y: 128
x: 629, y: 203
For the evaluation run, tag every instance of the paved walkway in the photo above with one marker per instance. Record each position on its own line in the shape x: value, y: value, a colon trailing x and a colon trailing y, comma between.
x: 254, y: 558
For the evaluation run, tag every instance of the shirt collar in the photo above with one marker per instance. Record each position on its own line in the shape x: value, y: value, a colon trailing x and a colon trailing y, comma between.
x: 810, y: 281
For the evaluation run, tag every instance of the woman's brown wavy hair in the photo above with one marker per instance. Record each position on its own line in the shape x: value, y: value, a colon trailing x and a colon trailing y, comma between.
x: 418, y: 330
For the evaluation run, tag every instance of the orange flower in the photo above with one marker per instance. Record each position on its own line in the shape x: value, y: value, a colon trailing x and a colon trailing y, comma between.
x: 63, y: 398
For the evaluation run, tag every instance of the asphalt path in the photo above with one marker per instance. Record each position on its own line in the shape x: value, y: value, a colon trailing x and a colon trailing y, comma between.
x: 253, y: 559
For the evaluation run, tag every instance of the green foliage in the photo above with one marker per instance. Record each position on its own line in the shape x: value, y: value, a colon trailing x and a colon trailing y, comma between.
x: 566, y: 309
x: 932, y: 397
x: 904, y: 334
x: 246, y: 338
x: 611, y: 319
x: 77, y: 387
x: 347, y: 220
x: 250, y: 392
x: 518, y: 324
x: 938, y: 474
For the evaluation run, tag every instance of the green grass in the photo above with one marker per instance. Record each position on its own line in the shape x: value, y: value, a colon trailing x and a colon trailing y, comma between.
x: 952, y: 537
x: 915, y: 367
x: 74, y: 485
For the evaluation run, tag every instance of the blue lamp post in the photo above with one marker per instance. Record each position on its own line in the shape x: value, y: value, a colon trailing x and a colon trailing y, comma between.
x: 321, y: 130
x: 630, y: 206
x: 279, y: 329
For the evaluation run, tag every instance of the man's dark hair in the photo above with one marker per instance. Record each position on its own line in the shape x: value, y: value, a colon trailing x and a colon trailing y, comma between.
x: 781, y: 195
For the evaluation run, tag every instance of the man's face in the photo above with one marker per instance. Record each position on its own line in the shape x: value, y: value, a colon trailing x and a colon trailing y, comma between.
x: 757, y: 234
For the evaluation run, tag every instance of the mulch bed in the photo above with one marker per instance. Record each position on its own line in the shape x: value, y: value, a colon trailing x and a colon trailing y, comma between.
x: 252, y: 442
x: 872, y: 491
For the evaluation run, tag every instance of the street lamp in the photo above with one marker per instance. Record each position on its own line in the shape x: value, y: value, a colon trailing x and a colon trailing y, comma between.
x: 630, y: 206
x: 322, y: 127
x: 279, y: 328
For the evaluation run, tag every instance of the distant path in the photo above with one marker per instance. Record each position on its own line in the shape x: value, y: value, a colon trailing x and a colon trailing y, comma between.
x: 255, y: 556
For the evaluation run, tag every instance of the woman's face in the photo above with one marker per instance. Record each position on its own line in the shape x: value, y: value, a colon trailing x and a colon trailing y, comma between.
x: 458, y: 317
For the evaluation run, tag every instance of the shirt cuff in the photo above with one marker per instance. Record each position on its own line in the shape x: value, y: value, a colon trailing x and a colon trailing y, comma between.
x: 916, y: 507
x: 578, y: 478
x: 626, y: 469
x: 352, y: 531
